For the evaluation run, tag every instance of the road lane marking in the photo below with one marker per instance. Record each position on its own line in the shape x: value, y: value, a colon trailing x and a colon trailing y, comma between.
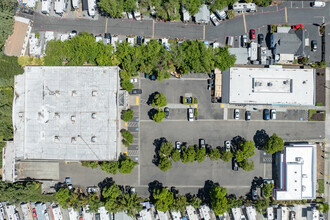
x: 244, y: 23
x: 106, y: 25
x: 137, y: 100
x: 286, y: 15
x: 203, y: 32
x: 153, y: 28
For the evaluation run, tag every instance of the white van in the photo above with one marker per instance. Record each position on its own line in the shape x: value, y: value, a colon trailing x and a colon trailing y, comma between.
x: 45, y: 7
x: 318, y: 4
x: 230, y: 41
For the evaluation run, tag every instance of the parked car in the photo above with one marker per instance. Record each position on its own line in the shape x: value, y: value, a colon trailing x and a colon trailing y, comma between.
x: 273, y: 114
x: 318, y: 4
x: 227, y: 145
x: 236, y: 114
x: 254, y: 194
x: 314, y: 45
x: 190, y: 114
x: 133, y: 80
x: 34, y: 213
x: 252, y: 34
x: 139, y: 40
x: 247, y: 115
x: 234, y: 164
x: 201, y: 143
x: 153, y: 77
x: 135, y: 91
x: 107, y: 37
x: 260, y: 38
x: 28, y: 11
x: 244, y: 40
x: 178, y: 145
x: 266, y: 114
x: 214, y: 20
x: 167, y: 112
x: 298, y: 26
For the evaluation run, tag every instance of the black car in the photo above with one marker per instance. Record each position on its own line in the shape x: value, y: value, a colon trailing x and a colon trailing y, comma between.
x: 167, y: 112
x: 260, y: 38
x: 266, y: 114
x: 27, y: 11
x: 139, y: 40
x: 135, y: 91
x: 247, y: 115
x: 107, y: 35
x: 314, y: 45
x: 235, y: 164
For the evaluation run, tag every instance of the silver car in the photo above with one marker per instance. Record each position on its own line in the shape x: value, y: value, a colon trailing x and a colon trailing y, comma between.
x: 236, y: 114
x: 227, y: 145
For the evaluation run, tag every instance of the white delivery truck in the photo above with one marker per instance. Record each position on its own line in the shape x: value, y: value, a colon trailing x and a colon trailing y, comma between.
x: 91, y: 7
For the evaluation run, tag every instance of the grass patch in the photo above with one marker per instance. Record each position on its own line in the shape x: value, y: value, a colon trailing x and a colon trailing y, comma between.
x: 319, y: 104
x: 321, y: 185
x: 313, y: 115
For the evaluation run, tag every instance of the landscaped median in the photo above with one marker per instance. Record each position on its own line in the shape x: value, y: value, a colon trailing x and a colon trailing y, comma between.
x: 316, y: 115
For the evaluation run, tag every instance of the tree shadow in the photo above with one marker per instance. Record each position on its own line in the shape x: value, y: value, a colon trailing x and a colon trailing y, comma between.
x: 157, y: 143
x: 105, y: 183
x: 260, y: 138
x: 152, y: 186
x: 204, y: 193
x: 236, y: 141
x: 151, y: 97
x: 151, y: 113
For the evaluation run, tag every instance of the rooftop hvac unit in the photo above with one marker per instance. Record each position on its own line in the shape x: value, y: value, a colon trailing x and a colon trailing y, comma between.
x: 286, y: 82
x: 269, y: 84
x: 94, y: 93
x: 57, y: 115
x: 93, y: 139
x: 74, y: 93
x: 299, y: 160
x: 73, y: 118
x: 56, y: 139
x: 258, y: 84
x: 303, y: 188
x: 304, y: 176
x: 93, y: 115
x: 73, y: 140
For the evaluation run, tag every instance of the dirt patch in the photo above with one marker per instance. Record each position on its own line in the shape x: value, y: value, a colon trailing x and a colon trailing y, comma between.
x: 320, y: 161
x: 320, y: 87
x: 315, y: 115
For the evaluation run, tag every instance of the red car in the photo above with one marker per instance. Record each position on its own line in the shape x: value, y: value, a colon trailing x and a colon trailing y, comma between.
x: 298, y: 26
x: 34, y: 213
x: 252, y: 34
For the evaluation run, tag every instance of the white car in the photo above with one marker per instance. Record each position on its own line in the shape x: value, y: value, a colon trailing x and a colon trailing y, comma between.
x: 227, y: 145
x: 214, y: 19
x: 236, y: 114
x: 190, y: 114
x: 273, y: 114
x: 178, y: 145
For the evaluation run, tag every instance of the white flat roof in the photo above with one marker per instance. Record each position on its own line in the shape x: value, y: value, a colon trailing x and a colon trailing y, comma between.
x: 272, y: 86
x: 66, y: 113
x: 298, y: 173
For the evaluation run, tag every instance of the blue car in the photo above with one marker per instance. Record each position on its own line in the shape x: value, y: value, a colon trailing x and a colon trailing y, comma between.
x: 266, y: 114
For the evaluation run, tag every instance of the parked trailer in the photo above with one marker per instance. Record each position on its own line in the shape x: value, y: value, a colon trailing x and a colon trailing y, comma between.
x: 59, y: 6
x: 91, y: 7
x: 45, y: 6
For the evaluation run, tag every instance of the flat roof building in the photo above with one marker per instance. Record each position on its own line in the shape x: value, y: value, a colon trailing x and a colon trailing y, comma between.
x: 297, y: 169
x: 274, y: 86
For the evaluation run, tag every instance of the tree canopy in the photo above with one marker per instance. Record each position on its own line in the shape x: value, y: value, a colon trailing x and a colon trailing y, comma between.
x: 163, y: 198
x: 159, y: 116
x: 7, y: 20
x: 159, y: 100
x: 126, y: 165
x: 165, y: 164
x: 218, y: 198
x: 245, y: 151
x: 188, y: 154
x: 200, y: 154
x: 166, y: 149
x: 274, y: 144
x: 127, y: 115
x: 268, y: 190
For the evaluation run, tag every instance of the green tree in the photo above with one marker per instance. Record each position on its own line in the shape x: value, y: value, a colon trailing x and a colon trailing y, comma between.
x: 176, y: 155
x: 226, y: 156
x: 63, y: 195
x: 164, y: 164
x: 132, y: 204
x: 188, y: 154
x: 127, y: 115
x: 231, y: 14
x: 166, y: 149
x: 201, y: 154
x: 304, y: 61
x: 220, y: 4
x: 323, y: 64
x: 194, y: 201
x: 274, y: 144
x: 159, y: 116
x: 159, y: 100
x: 110, y: 166
x: 214, y: 154
x: 246, y: 165
x: 163, y: 198
x: 323, y: 207
x: 245, y: 151
x: 92, y: 164
x: 218, y: 199
x: 7, y: 20
x: 128, y: 137
x: 94, y: 203
x: 192, y: 6
x: 113, y: 7
x: 233, y: 202
x: 261, y: 205
x: 127, y: 85
x: 126, y: 165
x: 223, y: 59
x: 180, y: 204
x: 111, y: 195
x: 262, y: 3
x: 268, y: 190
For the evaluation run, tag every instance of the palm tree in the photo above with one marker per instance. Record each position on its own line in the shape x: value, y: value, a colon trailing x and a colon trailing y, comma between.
x: 131, y: 202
